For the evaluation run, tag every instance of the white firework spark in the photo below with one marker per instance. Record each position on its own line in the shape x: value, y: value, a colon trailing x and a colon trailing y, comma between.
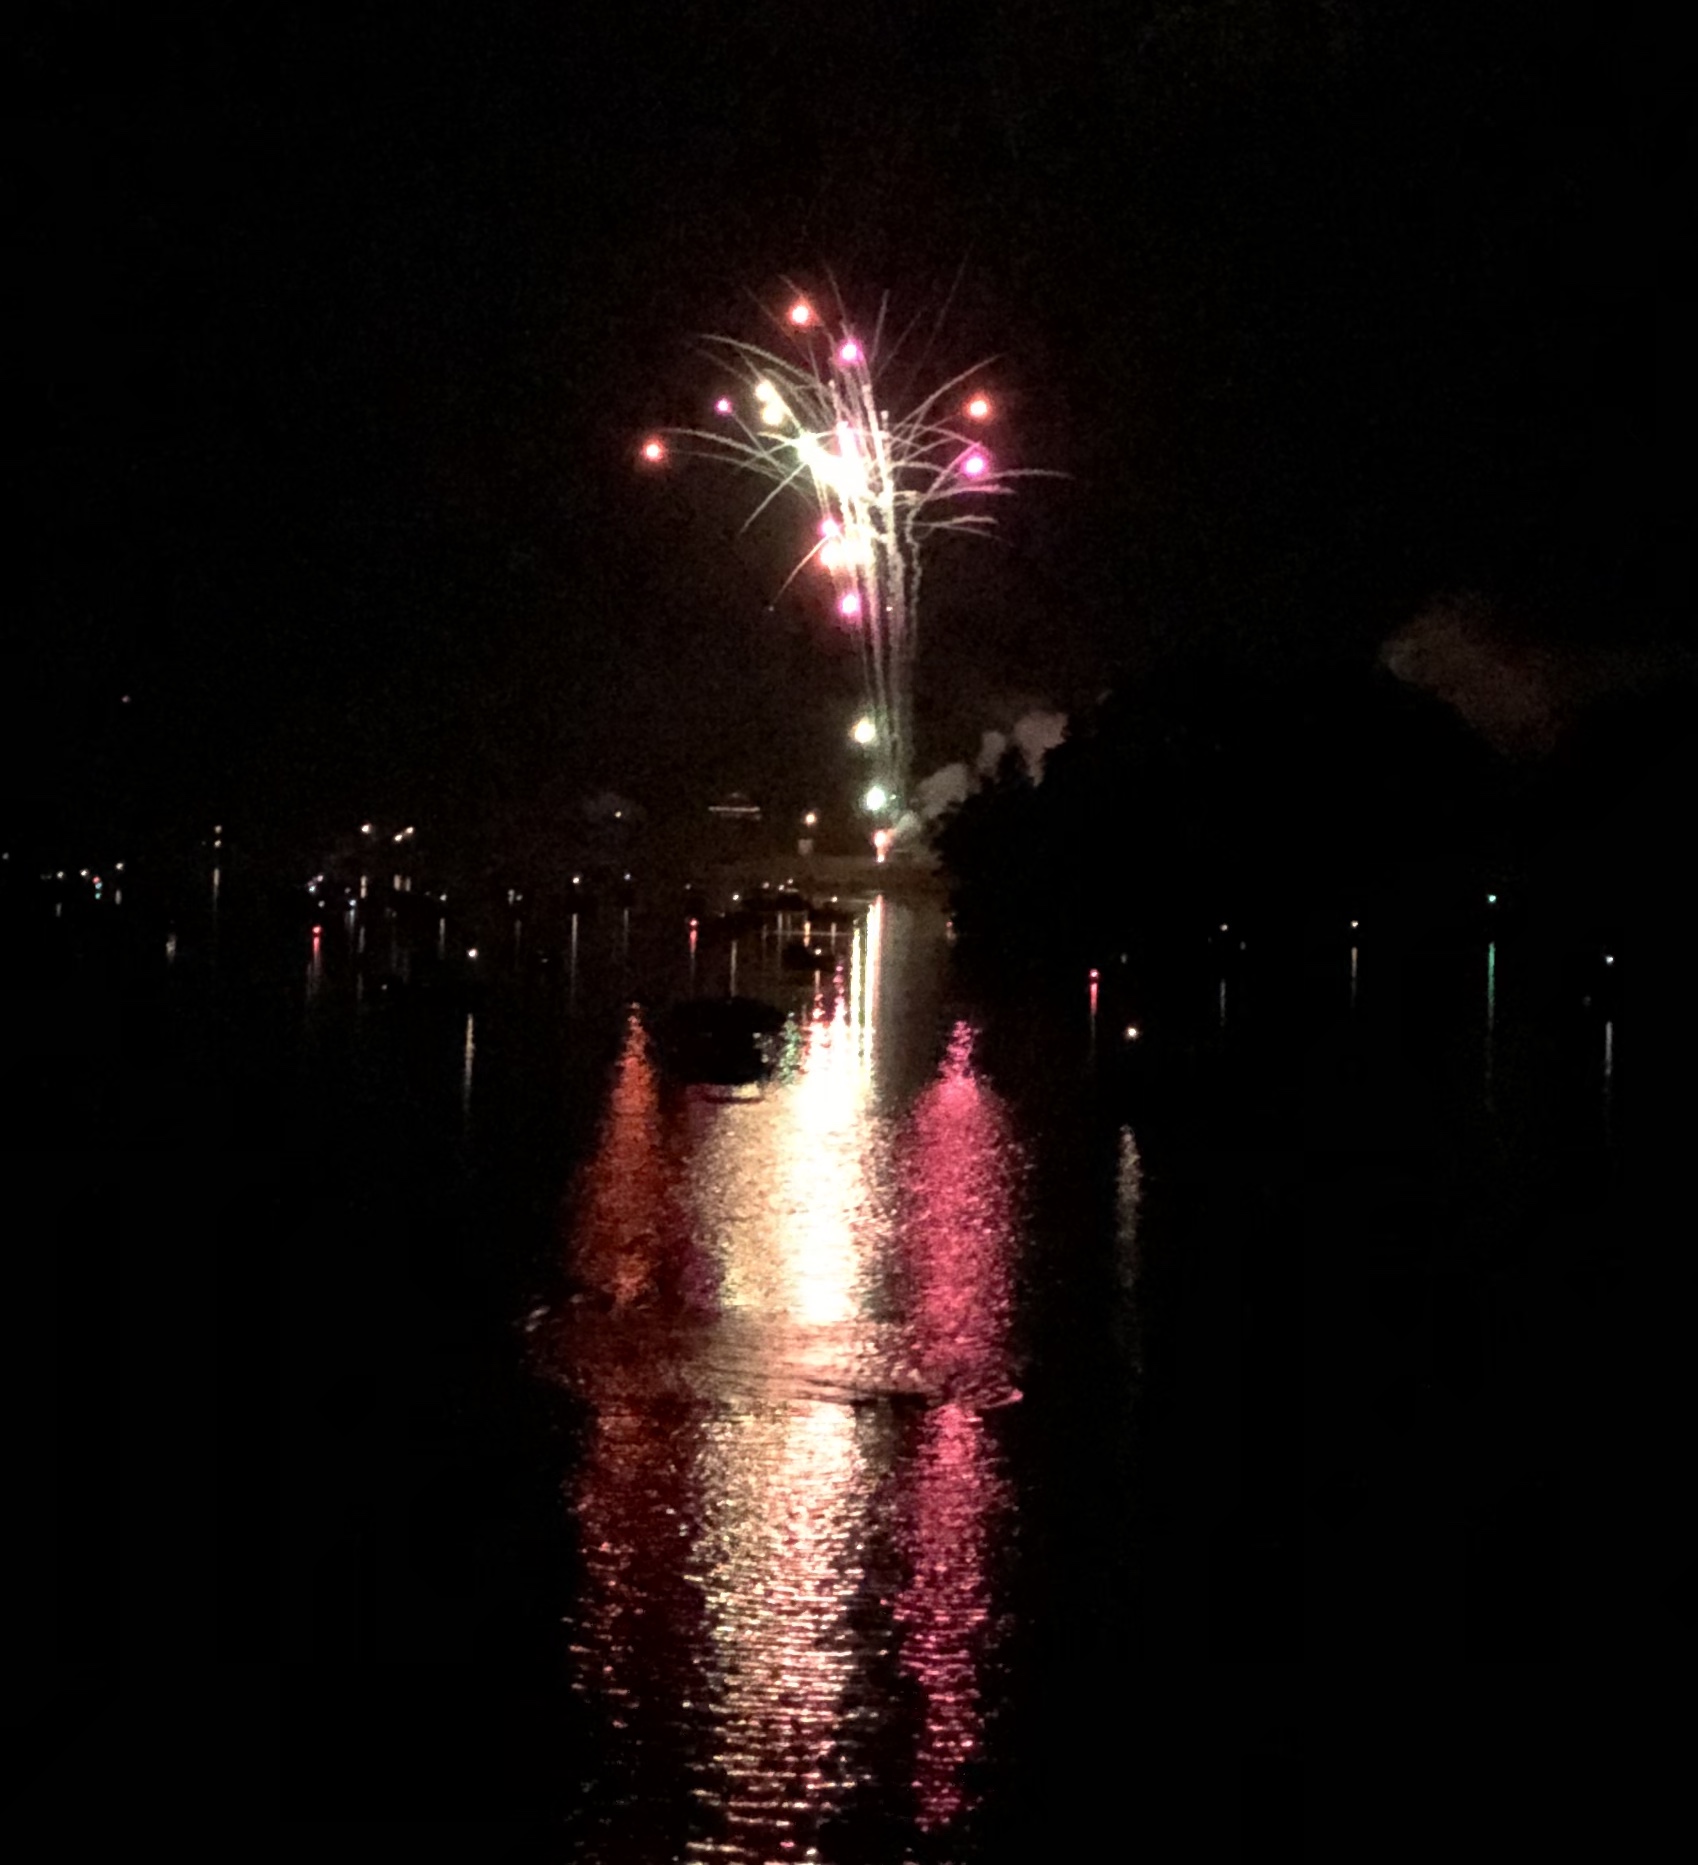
x: 813, y: 423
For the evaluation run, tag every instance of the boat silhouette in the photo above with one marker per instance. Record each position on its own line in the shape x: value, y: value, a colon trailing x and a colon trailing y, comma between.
x: 719, y: 1041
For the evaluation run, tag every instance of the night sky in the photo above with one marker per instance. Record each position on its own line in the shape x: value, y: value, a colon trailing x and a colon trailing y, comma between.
x: 340, y: 327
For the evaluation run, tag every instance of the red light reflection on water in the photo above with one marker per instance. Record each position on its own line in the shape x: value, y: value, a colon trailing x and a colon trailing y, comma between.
x: 631, y: 1240
x: 632, y: 1506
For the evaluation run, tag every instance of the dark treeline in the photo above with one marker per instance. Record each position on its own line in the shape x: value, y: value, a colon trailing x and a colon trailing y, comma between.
x: 1288, y: 807
x: 1407, y: 1367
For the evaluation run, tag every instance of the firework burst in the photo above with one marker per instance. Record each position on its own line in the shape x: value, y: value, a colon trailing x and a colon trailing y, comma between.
x: 809, y: 417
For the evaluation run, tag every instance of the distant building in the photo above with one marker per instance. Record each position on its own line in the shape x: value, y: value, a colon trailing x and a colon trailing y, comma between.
x: 734, y: 828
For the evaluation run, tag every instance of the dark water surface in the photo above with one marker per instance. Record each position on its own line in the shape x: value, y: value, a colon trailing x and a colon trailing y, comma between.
x: 955, y: 1448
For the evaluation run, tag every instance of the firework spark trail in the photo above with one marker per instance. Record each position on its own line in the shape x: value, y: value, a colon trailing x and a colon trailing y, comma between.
x: 881, y: 487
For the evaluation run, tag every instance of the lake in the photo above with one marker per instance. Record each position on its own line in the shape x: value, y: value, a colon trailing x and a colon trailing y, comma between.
x: 959, y: 1438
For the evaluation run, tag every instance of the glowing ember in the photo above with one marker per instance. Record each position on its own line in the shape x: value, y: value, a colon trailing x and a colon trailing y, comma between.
x: 654, y: 451
x: 723, y: 405
x: 801, y: 314
x: 849, y: 353
x: 849, y: 604
x: 978, y: 409
x: 975, y: 466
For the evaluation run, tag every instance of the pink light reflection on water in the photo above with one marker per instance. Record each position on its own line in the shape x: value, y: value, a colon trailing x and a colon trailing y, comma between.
x: 962, y: 1192
x: 957, y: 1496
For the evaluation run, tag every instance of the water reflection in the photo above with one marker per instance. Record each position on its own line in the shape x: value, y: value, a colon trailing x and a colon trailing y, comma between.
x: 792, y: 1322
x: 959, y: 1491
x: 785, y: 1505
x: 960, y: 1195
x: 1128, y: 1202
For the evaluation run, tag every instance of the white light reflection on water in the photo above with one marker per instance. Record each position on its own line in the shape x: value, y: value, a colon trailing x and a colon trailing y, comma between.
x: 784, y: 1512
x: 1128, y: 1200
x: 1129, y: 1263
x: 794, y: 1213
x: 792, y: 1325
